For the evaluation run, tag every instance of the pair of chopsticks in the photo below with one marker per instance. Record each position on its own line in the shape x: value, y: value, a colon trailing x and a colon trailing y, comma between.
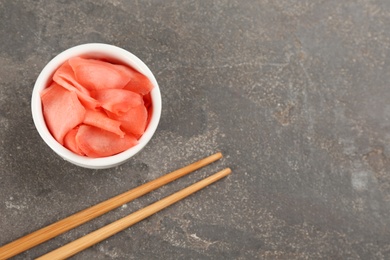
x: 42, y: 235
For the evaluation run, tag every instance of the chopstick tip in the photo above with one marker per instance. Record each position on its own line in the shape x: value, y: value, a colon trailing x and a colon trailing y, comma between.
x: 226, y: 171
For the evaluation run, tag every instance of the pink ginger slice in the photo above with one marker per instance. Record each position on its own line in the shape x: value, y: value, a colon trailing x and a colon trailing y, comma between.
x: 62, y: 110
x: 64, y: 76
x: 70, y: 141
x: 96, y: 142
x: 117, y: 101
x: 96, y: 74
x: 138, y: 82
x: 101, y: 120
x: 133, y: 121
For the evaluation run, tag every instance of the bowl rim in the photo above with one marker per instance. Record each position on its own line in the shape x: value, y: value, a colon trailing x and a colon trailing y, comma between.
x: 94, y: 50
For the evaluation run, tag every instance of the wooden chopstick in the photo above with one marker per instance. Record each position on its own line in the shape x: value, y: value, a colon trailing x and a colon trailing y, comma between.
x: 37, y: 237
x: 97, y: 236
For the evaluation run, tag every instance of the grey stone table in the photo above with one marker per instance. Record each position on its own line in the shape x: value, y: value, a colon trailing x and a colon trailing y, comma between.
x: 296, y: 94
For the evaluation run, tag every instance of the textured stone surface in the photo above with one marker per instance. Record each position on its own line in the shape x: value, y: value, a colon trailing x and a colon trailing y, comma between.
x: 294, y: 93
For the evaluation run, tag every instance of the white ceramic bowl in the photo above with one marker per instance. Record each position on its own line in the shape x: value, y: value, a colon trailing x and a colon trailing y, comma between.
x: 111, y: 53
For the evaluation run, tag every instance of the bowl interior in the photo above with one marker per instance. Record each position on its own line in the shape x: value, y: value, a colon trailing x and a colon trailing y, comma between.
x: 100, y: 51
